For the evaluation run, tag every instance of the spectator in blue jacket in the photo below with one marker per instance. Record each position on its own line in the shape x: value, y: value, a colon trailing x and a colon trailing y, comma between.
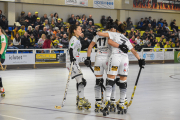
x: 140, y: 24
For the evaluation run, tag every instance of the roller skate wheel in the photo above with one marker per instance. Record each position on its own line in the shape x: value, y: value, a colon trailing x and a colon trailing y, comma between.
x: 2, y: 95
x: 104, y: 113
x: 114, y: 110
x: 107, y: 112
x: 122, y: 112
x: 118, y: 112
x: 125, y: 111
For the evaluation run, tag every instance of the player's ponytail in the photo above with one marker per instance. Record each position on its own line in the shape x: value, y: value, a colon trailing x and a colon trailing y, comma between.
x: 3, y: 32
x: 122, y: 27
x: 71, y: 31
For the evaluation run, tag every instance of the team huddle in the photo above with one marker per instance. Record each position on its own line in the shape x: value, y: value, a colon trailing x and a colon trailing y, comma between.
x: 111, y: 58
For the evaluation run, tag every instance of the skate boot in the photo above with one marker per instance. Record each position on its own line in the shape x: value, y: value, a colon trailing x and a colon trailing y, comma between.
x: 106, y: 108
x: 122, y: 109
x: 83, y: 103
x: 98, y: 106
x: 2, y: 91
x: 113, y: 106
x: 77, y: 99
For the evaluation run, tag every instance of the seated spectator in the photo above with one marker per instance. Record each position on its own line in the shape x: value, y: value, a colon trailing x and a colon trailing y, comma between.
x: 150, y: 20
x: 43, y: 18
x: 32, y: 42
x: 149, y: 27
x: 4, y: 24
x: 65, y: 41
x: 62, y: 32
x: 103, y: 21
x: 36, y: 33
x: 47, y: 44
x: 177, y: 46
x: 78, y: 19
x: 108, y: 19
x: 129, y: 24
x: 151, y: 34
x: 146, y: 22
x: 59, y: 23
x: 14, y: 32
x: 160, y: 22
x: 90, y: 30
x: 55, y: 31
x: 55, y: 42
x: 44, y: 31
x: 46, y: 24
x: 146, y: 41
x: 17, y: 41
x: 154, y: 23
x: 53, y: 37
x: 84, y: 41
x: 164, y: 39
x: 50, y: 18
x: 177, y: 40
x: 131, y: 33
x: 90, y: 19
x: 22, y: 20
x: 167, y: 46
x: 84, y: 27
x: 72, y: 20
x: 132, y: 41
x: 138, y: 40
x: 153, y: 41
x: 29, y: 31
x: 29, y: 19
x: 146, y: 34
x: 53, y: 24
x: 1, y: 15
x: 148, y: 45
x: 171, y: 43
x: 140, y: 24
x: 39, y: 24
x: 137, y: 33
x: 83, y: 19
x: 25, y: 40
x: 22, y: 30
x: 50, y: 32
x: 77, y: 23
x: 55, y: 18
x: 161, y: 43
x: 35, y: 16
x: 165, y: 23
x: 173, y: 25
x: 41, y: 40
x: 157, y: 46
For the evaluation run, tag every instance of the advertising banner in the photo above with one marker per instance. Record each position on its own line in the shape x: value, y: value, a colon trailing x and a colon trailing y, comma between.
x: 177, y: 56
x: 153, y: 55
x: 132, y: 57
x: 169, y: 55
x: 108, y: 4
x: 17, y: 59
x: 77, y: 2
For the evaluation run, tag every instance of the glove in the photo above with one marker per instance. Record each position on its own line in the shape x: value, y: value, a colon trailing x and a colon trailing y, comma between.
x: 141, y: 63
x: 123, y: 48
x: 72, y: 59
x: 87, y: 62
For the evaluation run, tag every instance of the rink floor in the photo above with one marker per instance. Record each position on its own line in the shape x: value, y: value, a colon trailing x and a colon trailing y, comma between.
x: 32, y: 95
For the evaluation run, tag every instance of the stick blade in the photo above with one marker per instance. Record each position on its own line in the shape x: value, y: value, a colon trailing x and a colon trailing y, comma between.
x: 58, y: 107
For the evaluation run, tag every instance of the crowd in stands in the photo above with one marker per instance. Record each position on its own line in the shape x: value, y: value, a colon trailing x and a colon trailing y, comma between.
x: 51, y: 31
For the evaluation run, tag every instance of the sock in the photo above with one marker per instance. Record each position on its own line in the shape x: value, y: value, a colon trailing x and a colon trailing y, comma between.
x: 1, y: 85
x: 81, y: 91
x: 108, y: 90
x: 113, y: 94
x: 122, y: 93
x: 77, y: 89
x: 97, y: 90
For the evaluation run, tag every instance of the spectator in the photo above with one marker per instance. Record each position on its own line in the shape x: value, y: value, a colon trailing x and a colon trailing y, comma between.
x: 78, y: 19
x: 90, y: 19
x: 53, y: 37
x: 84, y: 41
x: 151, y: 34
x: 140, y: 24
x: 157, y: 46
x: 72, y: 20
x: 55, y: 42
x: 146, y: 22
x: 46, y: 24
x: 165, y: 23
x: 103, y: 21
x: 77, y: 23
x: 171, y: 43
x: 41, y: 40
x: 160, y: 22
x: 25, y: 40
x: 163, y: 38
x: 29, y: 19
x: 65, y: 41
x: 161, y: 43
x: 17, y: 41
x: 84, y: 27
x: 146, y: 34
x: 148, y: 45
x: 149, y: 27
x: 22, y: 20
x: 154, y: 23
x: 22, y: 30
x: 138, y: 40
x: 4, y: 24
x: 167, y: 46
x: 32, y: 42
x: 132, y: 41
x: 47, y: 44
x: 44, y: 31
x: 35, y: 16
x: 50, y: 32
x: 55, y: 30
x: 131, y: 33
x: 14, y: 32
x: 137, y: 33
x: 177, y: 40
x: 39, y: 24
x: 55, y: 18
x: 153, y: 41
x: 129, y: 24
x: 43, y: 18
x: 59, y: 23
x: 173, y: 25
x: 50, y: 18
x: 36, y: 33
x: 62, y: 32
x: 146, y: 41
x: 84, y: 19
x: 177, y: 46
x: 150, y: 20
x: 29, y: 31
x: 1, y: 15
x: 108, y: 19
x: 53, y: 24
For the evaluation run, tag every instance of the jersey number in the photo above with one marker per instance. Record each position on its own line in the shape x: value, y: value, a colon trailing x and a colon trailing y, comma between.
x: 101, y: 39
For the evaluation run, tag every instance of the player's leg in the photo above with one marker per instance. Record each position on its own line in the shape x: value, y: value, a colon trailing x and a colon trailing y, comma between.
x: 2, y: 90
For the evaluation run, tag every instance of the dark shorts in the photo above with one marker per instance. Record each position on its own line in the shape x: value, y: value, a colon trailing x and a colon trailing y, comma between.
x: 2, y: 61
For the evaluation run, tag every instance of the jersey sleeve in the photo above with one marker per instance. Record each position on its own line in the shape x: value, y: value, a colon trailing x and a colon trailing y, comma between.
x: 111, y: 35
x: 95, y: 39
x: 3, y: 39
x: 72, y: 43
x: 128, y: 43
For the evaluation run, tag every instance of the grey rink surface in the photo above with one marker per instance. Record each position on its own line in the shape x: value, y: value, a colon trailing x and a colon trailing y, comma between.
x: 32, y: 95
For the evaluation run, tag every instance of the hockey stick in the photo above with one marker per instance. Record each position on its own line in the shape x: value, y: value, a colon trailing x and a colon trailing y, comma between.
x: 134, y: 88
x: 2, y: 67
x: 67, y: 84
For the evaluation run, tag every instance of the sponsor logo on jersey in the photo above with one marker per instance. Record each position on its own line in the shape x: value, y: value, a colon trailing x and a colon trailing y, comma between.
x: 114, y: 68
x: 72, y: 44
x: 97, y: 68
x: 2, y: 39
x: 78, y: 49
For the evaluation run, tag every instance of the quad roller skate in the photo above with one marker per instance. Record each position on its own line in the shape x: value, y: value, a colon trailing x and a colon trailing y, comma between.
x: 98, y: 106
x: 77, y: 99
x: 106, y: 108
x: 126, y: 101
x: 83, y: 103
x: 113, y: 106
x: 2, y: 91
x: 122, y: 109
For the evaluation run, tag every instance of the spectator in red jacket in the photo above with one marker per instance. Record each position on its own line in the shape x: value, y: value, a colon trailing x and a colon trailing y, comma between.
x: 47, y: 44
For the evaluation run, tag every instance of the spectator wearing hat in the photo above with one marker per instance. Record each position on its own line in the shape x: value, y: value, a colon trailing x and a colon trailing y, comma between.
x: 173, y: 25
x: 103, y: 21
x: 43, y: 18
x: 90, y: 19
x: 39, y: 24
x: 78, y: 19
x: 4, y: 24
x: 65, y: 41
x: 44, y: 31
x: 36, y: 33
x: 35, y: 16
x: 129, y: 23
x: 29, y: 19
x: 59, y: 23
x: 22, y: 20
x: 55, y: 18
x: 72, y: 20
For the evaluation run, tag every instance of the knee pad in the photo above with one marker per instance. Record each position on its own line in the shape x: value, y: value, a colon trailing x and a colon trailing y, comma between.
x: 99, y: 82
x: 83, y: 82
x: 110, y: 82
x: 117, y: 81
x: 122, y: 85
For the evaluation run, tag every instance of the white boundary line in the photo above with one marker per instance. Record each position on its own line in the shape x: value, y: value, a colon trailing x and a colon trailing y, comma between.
x: 12, y: 117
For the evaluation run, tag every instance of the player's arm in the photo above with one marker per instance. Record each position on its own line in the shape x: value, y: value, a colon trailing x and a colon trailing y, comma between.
x: 3, y: 45
x: 103, y: 34
x: 90, y: 49
x: 140, y: 61
x: 114, y: 44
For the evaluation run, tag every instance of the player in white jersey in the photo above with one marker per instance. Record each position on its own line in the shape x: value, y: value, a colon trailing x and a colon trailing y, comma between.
x: 118, y: 65
x: 74, y: 53
x: 101, y: 64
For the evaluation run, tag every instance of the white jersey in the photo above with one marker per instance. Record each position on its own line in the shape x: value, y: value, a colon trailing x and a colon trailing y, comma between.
x: 120, y: 39
x: 75, y: 44
x: 102, y: 45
